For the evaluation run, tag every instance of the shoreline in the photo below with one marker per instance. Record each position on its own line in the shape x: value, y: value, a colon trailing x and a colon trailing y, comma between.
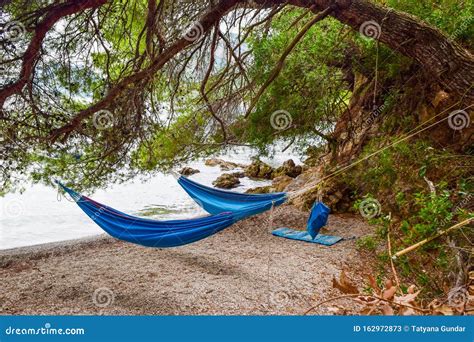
x: 51, y: 248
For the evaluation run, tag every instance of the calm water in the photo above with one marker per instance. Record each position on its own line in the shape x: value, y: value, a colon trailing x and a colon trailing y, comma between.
x: 37, y: 217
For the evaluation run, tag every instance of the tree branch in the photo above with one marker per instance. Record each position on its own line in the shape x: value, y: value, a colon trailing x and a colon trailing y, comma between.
x: 31, y: 53
x: 207, y: 21
x: 206, y: 78
x: 279, y: 66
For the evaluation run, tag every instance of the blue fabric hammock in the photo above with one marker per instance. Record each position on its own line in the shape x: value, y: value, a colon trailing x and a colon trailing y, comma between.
x: 151, y: 233
x: 225, y: 207
x: 216, y: 201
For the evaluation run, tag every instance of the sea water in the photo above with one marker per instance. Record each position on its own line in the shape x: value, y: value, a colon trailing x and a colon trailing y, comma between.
x: 37, y: 217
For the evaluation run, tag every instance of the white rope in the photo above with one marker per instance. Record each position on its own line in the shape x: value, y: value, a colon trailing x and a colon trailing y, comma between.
x: 271, y: 215
x: 175, y: 174
x: 410, y: 134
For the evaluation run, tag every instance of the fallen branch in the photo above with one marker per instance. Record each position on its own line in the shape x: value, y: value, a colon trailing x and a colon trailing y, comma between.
x: 425, y: 241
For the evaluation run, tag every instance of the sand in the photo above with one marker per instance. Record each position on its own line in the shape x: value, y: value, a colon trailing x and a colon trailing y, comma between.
x: 243, y: 270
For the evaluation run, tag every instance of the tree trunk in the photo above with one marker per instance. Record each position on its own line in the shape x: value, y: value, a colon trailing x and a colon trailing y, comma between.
x: 447, y: 62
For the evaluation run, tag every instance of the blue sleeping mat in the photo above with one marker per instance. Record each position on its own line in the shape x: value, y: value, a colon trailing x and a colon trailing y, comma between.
x: 299, y: 235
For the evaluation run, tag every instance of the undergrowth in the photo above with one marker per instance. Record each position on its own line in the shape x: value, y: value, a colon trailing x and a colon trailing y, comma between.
x: 421, y: 191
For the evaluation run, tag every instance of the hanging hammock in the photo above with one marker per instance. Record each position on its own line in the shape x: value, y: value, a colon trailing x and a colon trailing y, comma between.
x: 225, y: 207
x: 216, y: 201
x: 151, y: 233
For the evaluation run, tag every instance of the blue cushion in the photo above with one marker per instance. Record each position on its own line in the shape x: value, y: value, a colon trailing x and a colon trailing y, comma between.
x: 300, y: 235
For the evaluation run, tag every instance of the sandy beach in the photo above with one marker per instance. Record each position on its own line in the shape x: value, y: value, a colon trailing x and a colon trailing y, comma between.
x: 242, y: 270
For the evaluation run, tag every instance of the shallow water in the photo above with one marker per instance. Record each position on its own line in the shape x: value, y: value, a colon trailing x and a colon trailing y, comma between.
x: 37, y: 217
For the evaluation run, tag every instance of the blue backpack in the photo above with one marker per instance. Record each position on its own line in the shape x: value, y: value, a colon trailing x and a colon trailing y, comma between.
x: 317, y: 219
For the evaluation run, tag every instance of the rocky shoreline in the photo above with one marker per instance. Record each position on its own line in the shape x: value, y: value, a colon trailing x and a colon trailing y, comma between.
x: 284, y: 178
x: 280, y: 176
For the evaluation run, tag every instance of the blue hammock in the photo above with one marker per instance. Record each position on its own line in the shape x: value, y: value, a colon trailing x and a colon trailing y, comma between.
x: 151, y: 233
x: 216, y: 201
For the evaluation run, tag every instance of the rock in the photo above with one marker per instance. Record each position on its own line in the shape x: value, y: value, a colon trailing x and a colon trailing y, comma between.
x: 187, y: 171
x: 337, y: 196
x: 239, y: 174
x: 281, y: 182
x: 278, y: 184
x: 259, y: 169
x: 289, y: 163
x: 225, y: 165
x: 226, y: 181
x: 289, y: 169
x: 252, y: 170
x: 213, y: 162
x: 260, y: 190
x: 305, y: 200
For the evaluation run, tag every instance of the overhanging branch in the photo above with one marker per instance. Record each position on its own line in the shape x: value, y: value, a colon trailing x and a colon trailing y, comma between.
x: 279, y: 66
x: 31, y: 53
